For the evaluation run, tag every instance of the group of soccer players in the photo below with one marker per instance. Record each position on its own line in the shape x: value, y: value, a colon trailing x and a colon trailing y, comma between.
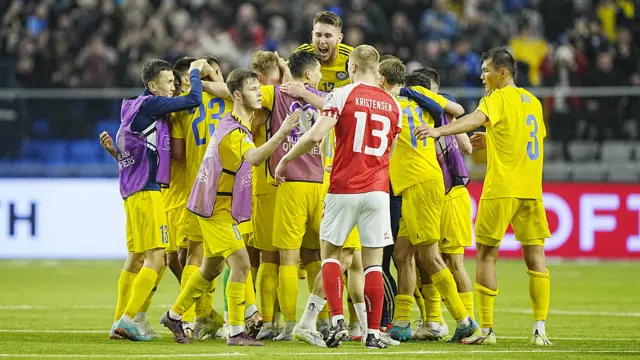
x: 305, y: 163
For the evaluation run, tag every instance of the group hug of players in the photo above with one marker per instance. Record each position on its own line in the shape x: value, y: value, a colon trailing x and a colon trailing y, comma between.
x: 290, y: 163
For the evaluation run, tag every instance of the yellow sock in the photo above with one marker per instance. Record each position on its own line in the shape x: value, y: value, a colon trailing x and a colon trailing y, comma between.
x: 432, y: 302
x: 467, y: 300
x: 313, y: 269
x: 446, y: 285
x: 236, y: 302
x: 485, y: 298
x: 266, y: 287
x: 540, y: 292
x: 190, y: 314
x: 203, y: 303
x: 254, y: 276
x: 402, y: 314
x: 124, y: 292
x: 288, y: 291
x: 140, y: 290
x: 249, y: 292
x: 324, y: 313
x: 420, y: 301
x: 147, y: 303
x: 194, y: 288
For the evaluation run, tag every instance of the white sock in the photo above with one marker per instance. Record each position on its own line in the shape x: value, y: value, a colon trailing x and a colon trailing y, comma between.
x: 277, y: 320
x: 226, y: 317
x: 326, y: 322
x: 250, y: 310
x: 539, y: 325
x: 141, y: 316
x: 361, y: 312
x: 235, y: 330
x: 401, y: 323
x: 311, y: 312
x: 376, y: 333
x: 334, y: 319
x: 433, y: 325
x: 127, y: 319
x: 485, y: 331
x: 288, y: 326
x: 464, y: 323
x: 174, y: 315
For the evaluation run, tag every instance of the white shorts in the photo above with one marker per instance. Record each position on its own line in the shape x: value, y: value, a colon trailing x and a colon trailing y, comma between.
x: 369, y: 211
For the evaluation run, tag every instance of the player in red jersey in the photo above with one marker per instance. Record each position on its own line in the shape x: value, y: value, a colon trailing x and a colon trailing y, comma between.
x: 367, y: 121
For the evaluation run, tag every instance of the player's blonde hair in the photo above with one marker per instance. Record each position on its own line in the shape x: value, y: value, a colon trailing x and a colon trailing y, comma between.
x: 264, y: 62
x: 365, y: 57
x: 393, y: 70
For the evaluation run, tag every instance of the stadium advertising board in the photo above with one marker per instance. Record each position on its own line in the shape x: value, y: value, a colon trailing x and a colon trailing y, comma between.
x: 84, y: 219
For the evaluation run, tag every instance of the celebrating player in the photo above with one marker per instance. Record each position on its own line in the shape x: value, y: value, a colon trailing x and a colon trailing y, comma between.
x: 512, y: 191
x: 367, y: 120
x: 221, y: 196
x: 143, y: 160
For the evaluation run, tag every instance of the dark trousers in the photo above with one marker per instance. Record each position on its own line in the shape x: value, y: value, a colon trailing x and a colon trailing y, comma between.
x: 390, y: 287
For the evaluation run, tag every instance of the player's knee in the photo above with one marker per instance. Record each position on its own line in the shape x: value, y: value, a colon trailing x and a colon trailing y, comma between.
x: 289, y: 257
x: 486, y: 253
x: 534, y: 258
x: 454, y: 262
x: 271, y: 257
x: 309, y: 255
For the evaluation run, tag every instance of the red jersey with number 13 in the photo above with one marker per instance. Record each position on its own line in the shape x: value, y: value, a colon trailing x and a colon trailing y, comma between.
x: 369, y: 119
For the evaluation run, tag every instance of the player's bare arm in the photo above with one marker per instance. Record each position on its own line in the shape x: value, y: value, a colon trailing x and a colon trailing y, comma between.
x: 107, y: 142
x: 479, y: 140
x: 464, y: 144
x: 298, y: 90
x: 453, y: 108
x: 217, y: 89
x: 178, y: 149
x: 286, y: 73
x: 463, y: 125
x: 256, y: 156
x: 307, y: 142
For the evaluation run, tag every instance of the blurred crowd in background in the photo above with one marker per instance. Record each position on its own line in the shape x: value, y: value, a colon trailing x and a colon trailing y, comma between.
x: 102, y: 43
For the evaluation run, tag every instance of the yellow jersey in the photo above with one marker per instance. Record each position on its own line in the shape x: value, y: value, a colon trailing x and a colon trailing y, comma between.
x: 196, y: 126
x: 414, y: 161
x: 174, y: 196
x: 334, y: 75
x: 259, y: 174
x: 231, y: 150
x: 515, y: 151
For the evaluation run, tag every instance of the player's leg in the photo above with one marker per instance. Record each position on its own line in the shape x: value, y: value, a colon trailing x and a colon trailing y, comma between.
x: 174, y: 219
x: 132, y: 267
x: 195, y: 255
x: 182, y: 256
x: 374, y: 224
x: 432, y: 329
x: 141, y: 320
x: 253, y: 318
x: 403, y: 255
x: 531, y: 229
x: 417, y: 295
x: 289, y: 227
x: 390, y: 286
x: 492, y: 220
x: 150, y: 234
x: 455, y: 263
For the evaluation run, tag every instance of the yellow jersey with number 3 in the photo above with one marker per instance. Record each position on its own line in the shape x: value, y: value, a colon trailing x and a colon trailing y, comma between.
x: 515, y: 151
x: 334, y: 75
x: 196, y: 127
x: 414, y: 161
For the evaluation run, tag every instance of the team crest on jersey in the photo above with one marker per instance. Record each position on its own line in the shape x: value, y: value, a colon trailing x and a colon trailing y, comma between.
x: 308, y: 117
x: 341, y: 75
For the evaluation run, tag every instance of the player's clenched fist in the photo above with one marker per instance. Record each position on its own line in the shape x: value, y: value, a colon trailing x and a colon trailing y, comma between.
x: 425, y: 131
x: 478, y: 140
x: 107, y: 142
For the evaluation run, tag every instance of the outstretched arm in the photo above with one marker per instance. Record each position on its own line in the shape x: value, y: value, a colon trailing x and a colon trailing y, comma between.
x: 463, y: 125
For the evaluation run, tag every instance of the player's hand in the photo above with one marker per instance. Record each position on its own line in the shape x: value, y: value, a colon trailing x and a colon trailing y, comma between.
x: 197, y: 65
x: 425, y: 131
x: 278, y: 172
x: 293, y: 89
x: 282, y: 64
x: 478, y: 140
x: 105, y: 140
x: 291, y: 121
x: 207, y: 71
x: 328, y: 169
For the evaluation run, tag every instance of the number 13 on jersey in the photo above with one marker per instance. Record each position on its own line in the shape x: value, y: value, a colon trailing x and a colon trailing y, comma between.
x: 361, y: 130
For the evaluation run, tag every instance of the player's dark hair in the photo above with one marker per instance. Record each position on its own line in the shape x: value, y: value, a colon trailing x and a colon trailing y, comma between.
x: 177, y: 77
x: 183, y: 64
x: 301, y: 61
x: 388, y: 57
x: 417, y: 79
x: 238, y: 78
x: 501, y: 58
x: 152, y: 68
x: 431, y: 73
x: 212, y: 60
x: 328, y: 18
x: 393, y: 70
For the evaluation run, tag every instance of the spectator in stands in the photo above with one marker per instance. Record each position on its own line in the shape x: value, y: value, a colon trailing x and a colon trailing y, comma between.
x: 529, y: 49
x: 438, y: 23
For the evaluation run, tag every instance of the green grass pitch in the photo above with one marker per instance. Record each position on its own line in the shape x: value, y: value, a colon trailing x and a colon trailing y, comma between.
x: 64, y: 309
